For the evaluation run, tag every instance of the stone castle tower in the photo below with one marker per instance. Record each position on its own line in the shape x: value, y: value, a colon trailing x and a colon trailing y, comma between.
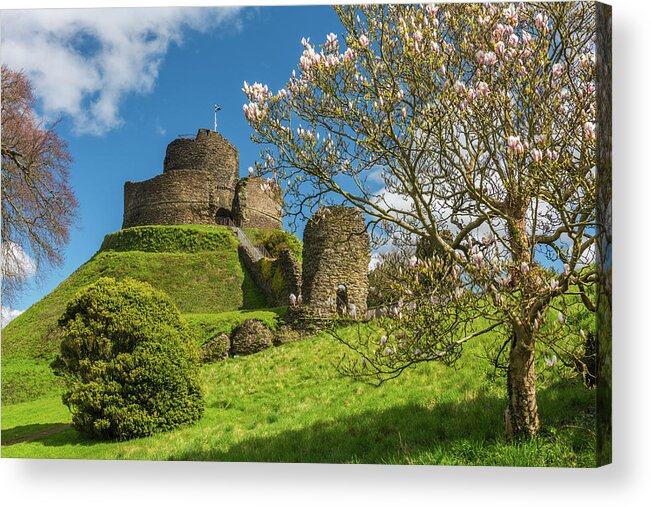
x: 200, y: 184
x: 336, y: 255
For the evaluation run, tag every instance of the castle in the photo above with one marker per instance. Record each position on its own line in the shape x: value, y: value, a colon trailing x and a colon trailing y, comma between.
x: 200, y: 184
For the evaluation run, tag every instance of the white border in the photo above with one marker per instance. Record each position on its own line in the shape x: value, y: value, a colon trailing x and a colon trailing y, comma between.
x: 626, y: 482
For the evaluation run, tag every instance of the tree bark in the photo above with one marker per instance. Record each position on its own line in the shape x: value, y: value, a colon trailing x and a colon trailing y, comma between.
x: 521, y: 417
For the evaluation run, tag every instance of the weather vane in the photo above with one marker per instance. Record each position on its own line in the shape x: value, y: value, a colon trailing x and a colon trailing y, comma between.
x: 217, y: 108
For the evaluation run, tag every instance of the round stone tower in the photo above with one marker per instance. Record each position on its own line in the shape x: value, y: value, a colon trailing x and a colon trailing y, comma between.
x: 336, y: 255
x: 197, y: 185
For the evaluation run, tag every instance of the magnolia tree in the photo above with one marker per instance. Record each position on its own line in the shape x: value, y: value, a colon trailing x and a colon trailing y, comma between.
x: 479, y: 122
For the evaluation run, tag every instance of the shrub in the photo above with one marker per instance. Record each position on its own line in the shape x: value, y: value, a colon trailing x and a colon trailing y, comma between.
x: 275, y: 240
x: 130, y: 366
x: 250, y: 337
x: 215, y: 349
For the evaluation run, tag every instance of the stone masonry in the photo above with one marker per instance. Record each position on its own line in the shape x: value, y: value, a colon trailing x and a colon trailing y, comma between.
x: 258, y: 203
x: 198, y: 186
x: 336, y: 255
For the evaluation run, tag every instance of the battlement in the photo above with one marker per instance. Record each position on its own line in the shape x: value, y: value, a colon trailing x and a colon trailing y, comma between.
x: 198, y: 186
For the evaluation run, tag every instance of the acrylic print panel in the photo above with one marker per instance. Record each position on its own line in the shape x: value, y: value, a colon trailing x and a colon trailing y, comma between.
x: 352, y: 234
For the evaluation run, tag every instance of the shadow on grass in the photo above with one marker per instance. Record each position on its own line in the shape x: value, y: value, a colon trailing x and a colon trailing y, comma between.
x: 31, y: 432
x: 467, y: 432
x: 369, y: 437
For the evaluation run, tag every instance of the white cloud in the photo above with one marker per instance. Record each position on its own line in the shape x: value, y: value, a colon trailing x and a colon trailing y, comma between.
x: 83, y: 62
x: 16, y: 263
x: 7, y: 315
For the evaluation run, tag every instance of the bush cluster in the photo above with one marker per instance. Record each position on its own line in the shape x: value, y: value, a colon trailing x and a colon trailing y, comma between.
x: 128, y: 360
x: 215, y: 349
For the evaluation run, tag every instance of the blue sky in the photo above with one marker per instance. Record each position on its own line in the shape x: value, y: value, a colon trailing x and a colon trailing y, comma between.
x: 126, y: 83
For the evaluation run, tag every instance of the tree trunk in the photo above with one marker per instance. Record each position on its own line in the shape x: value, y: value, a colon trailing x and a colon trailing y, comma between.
x: 521, y: 417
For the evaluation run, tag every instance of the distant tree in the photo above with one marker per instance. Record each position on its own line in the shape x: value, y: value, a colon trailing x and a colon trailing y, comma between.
x: 479, y: 120
x: 38, y: 204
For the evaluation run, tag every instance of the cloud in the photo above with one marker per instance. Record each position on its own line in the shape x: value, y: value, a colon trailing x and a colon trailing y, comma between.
x: 7, y: 315
x: 83, y: 62
x: 16, y: 263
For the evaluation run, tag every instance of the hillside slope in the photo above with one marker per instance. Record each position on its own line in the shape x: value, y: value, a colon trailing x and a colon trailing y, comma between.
x: 198, y: 266
x: 289, y: 404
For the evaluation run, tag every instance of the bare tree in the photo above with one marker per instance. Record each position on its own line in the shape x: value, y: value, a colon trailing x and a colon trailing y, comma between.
x: 38, y: 204
x: 479, y: 120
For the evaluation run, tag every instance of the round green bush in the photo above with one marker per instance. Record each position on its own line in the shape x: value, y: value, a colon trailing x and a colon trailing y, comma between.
x: 130, y: 365
x: 249, y: 337
x: 215, y: 349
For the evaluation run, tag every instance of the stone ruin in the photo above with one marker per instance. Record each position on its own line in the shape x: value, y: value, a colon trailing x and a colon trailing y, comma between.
x: 200, y: 184
x: 336, y: 255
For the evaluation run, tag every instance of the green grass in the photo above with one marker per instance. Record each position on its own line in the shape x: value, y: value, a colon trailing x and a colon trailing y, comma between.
x: 201, y: 272
x: 208, y: 325
x: 289, y: 404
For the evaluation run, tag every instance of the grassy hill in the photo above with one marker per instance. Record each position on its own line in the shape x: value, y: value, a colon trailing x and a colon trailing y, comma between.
x: 289, y: 404
x: 198, y: 266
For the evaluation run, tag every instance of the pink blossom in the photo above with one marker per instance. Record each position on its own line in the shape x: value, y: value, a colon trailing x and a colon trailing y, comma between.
x: 511, y: 14
x: 250, y: 171
x: 554, y: 284
x: 515, y: 145
x: 561, y: 318
x: 490, y: 58
x: 498, y: 32
x: 500, y: 47
x: 552, y: 154
x: 557, y: 69
x: 363, y: 41
x: 292, y: 299
x: 435, y: 46
x: 460, y: 87
x: 536, y: 154
x: 590, y: 130
x: 404, y: 113
x: 582, y: 333
x: 513, y: 40
x: 471, y: 93
x: 331, y: 41
x: 541, y: 21
x: 566, y: 269
x: 383, y: 340
x: 526, y: 37
x: 551, y: 362
x: 480, y: 55
x: 349, y: 54
x: 524, y: 268
x: 418, y: 36
x: 482, y: 87
x: 540, y: 138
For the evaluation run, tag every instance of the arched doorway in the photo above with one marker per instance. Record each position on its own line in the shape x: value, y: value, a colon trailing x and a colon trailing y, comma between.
x: 342, y: 299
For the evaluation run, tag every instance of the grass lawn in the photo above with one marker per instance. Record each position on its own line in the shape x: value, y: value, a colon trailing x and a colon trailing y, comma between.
x: 289, y: 404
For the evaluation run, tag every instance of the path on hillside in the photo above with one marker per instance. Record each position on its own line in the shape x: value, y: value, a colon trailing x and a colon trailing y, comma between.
x: 35, y: 436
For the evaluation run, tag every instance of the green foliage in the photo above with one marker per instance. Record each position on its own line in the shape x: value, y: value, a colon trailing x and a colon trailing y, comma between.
x: 250, y: 337
x: 207, y: 325
x: 272, y: 274
x: 289, y: 404
x: 210, y: 281
x: 160, y: 238
x: 128, y: 362
x: 275, y: 240
x: 215, y: 349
